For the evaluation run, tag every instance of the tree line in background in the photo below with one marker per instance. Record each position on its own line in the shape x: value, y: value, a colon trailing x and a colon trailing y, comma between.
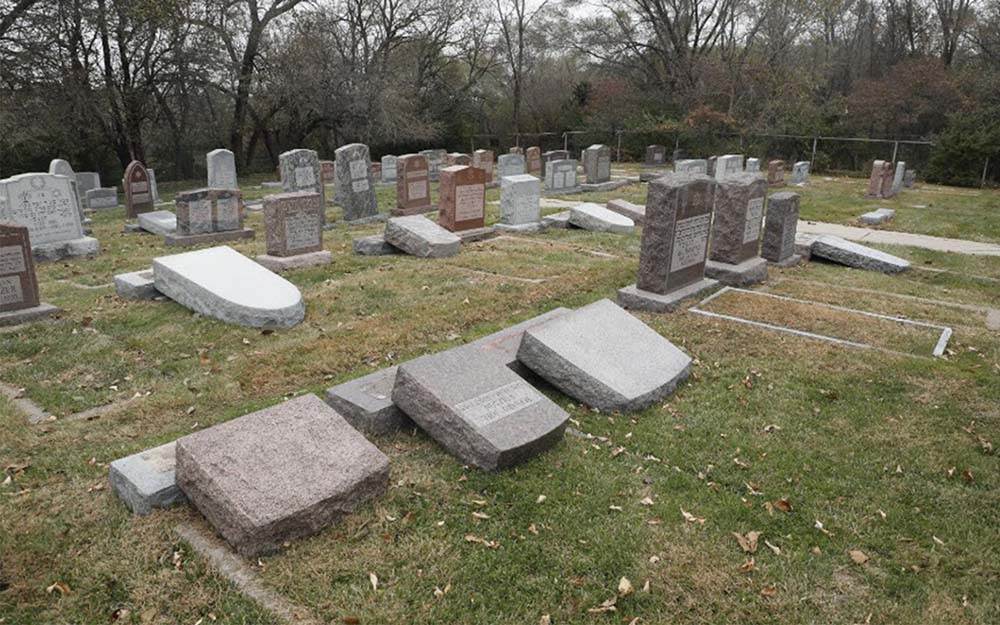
x: 101, y: 82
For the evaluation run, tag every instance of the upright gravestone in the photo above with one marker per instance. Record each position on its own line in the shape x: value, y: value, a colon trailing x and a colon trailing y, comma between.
x: 519, y: 203
x: 483, y: 159
x: 674, y: 243
x: 691, y: 166
x: 560, y: 177
x: 510, y: 165
x: 300, y: 171
x: 776, y: 173
x: 712, y: 161
x: 553, y: 155
x: 327, y: 172
x: 779, y: 229
x: 388, y: 168
x: 910, y: 179
x: 736, y: 231
x: 138, y: 194
x: 457, y: 158
x: 597, y: 164
x: 463, y: 198
x: 18, y: 285
x: 61, y: 167
x: 800, y: 172
x: 753, y: 166
x: 221, y: 169
x: 354, y: 177
x: 728, y: 165
x: 516, y: 150
x: 656, y: 156
x: 293, y: 231
x: 153, y: 190
x: 897, y: 180
x: 46, y: 204
x: 97, y: 199
x: 376, y: 172
x: 87, y: 180
x: 435, y: 161
x: 533, y: 160
x: 413, y: 193
x: 208, y: 216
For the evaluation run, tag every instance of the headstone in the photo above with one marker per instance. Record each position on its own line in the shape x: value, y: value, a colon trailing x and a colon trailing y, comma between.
x: 753, y: 166
x: 388, y: 168
x: 61, y: 167
x: 146, y: 480
x: 87, y: 180
x: 711, y: 161
x: 158, y: 222
x: 483, y: 159
x: 463, y: 198
x: 780, y: 228
x: 800, y: 172
x: 604, y: 357
x: 376, y: 172
x: 691, y: 166
x: 728, y: 165
x: 366, y: 403
x: 293, y: 223
x: 560, y: 176
x: 136, y: 285
x: 510, y: 165
x: 221, y: 169
x: 533, y: 161
x: 597, y: 164
x: 413, y: 191
x: 877, y: 216
x: 776, y: 173
x: 300, y: 171
x: 856, y: 255
x: 519, y: 201
x: 516, y: 150
x: 471, y: 403
x: 98, y: 199
x: 897, y: 180
x: 678, y: 155
x: 457, y: 158
x: 419, y: 236
x: 596, y: 218
x: 435, y: 161
x: 354, y: 178
x: 209, y: 210
x: 221, y: 283
x: 887, y: 189
x: 674, y: 243
x: 734, y: 258
x: 138, y: 193
x: 327, y: 172
x: 553, y: 155
x: 910, y: 179
x: 279, y: 474
x: 635, y: 212
x: 656, y: 156
x: 18, y: 283
x: 374, y: 245
x: 557, y: 220
x: 47, y: 205
x: 153, y: 190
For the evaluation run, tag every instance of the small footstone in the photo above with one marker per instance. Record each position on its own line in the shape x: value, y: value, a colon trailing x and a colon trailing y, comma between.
x: 417, y: 235
x: 279, y: 474
x: 279, y: 264
x: 85, y: 247
x: 599, y: 219
x: 158, y: 222
x: 137, y: 285
x: 877, y: 216
x: 477, y: 408
x: 635, y: 212
x: 556, y: 220
x: 146, y: 480
x: 746, y: 273
x: 366, y: 403
x: 855, y: 255
x: 374, y: 245
x: 603, y: 356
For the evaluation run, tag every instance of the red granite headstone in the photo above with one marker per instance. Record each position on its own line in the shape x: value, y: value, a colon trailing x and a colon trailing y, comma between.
x: 463, y: 198
x: 138, y: 193
x: 533, y: 159
x: 413, y: 191
x: 18, y: 284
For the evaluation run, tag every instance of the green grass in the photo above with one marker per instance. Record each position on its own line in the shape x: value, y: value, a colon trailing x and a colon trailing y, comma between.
x: 859, y: 433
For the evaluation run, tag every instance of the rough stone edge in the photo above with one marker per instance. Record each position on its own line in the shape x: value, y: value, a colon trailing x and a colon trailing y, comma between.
x: 189, y: 240
x: 747, y: 273
x: 84, y: 247
x: 279, y: 264
x: 26, y: 315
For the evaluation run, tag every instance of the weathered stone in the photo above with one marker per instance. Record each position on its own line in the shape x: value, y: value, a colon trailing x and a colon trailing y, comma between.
x: 279, y: 474
x: 728, y: 166
x: 190, y: 240
x: 553, y: 155
x: 711, y: 162
x: 909, y: 179
x: 221, y: 169
x: 462, y: 198
x: 436, y: 159
x: 560, y: 177
x: 753, y: 166
x: 389, y: 168
x: 556, y: 220
x: 203, y: 211
x: 300, y: 171
x: 419, y: 236
x: 776, y: 173
x: 746, y: 273
x: 279, y: 264
x: 153, y: 190
x: 856, y: 255
x: 413, y: 192
x: 897, y: 180
x: 376, y: 172
x: 61, y: 167
x: 158, y: 222
x: 136, y: 285
x: 138, y: 193
x: 780, y: 227
x: 374, y: 245
x: 86, y: 181
x: 366, y: 403
x: 477, y: 408
x: 739, y: 213
x: 691, y: 166
x: 221, y: 283
x: 293, y: 223
x: 327, y: 173
x: 533, y: 161
x: 98, y: 199
x: 880, y: 183
x: 483, y: 159
x: 597, y: 164
x: 603, y: 187
x: 510, y: 165
x: 519, y: 200
x: 18, y: 282
x: 800, y: 172
x: 355, y: 182
x: 599, y: 219
x: 604, y: 357
x: 457, y: 158
x: 146, y: 480
x: 635, y: 212
x: 877, y: 216
x: 656, y: 156
x: 47, y: 205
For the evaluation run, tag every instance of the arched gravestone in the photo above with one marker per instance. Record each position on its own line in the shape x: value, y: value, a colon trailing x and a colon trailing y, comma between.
x: 138, y: 192
x: 355, y: 182
x: 221, y: 166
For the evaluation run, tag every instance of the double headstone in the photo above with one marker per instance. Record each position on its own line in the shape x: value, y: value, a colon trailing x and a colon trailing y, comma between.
x: 560, y: 176
x: 293, y: 230
x: 519, y: 202
x: 533, y: 160
x: 19, y: 300
x: 413, y: 193
x: 208, y: 215
x: 553, y: 155
x: 510, y: 165
x: 46, y: 204
x: 597, y: 164
x: 221, y: 166
x: 736, y: 231
x: 300, y: 171
x: 356, y: 183
x: 779, y: 230
x: 656, y: 156
x: 138, y: 191
x: 463, y: 198
x: 691, y: 166
x: 674, y: 243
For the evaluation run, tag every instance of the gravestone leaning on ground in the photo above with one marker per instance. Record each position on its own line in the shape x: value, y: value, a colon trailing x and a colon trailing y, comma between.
x: 674, y: 243
x: 734, y: 256
x: 47, y: 205
x: 421, y: 237
x: 19, y: 299
x: 293, y: 230
x: 780, y: 226
x: 356, y: 183
x: 413, y: 192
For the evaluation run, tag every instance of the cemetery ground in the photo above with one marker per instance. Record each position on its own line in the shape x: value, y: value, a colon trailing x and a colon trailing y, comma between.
x: 790, y: 480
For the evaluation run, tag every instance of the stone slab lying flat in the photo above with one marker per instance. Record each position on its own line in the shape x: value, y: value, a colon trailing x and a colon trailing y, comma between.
x: 221, y: 283
x: 374, y: 245
x: 604, y: 357
x: 877, y: 216
x: 635, y: 212
x: 599, y: 219
x: 475, y: 407
x: 649, y: 176
x: 146, y: 480
x: 476, y: 234
x: 136, y: 285
x: 749, y: 272
x: 610, y: 185
x: 419, y: 236
x: 158, y: 222
x: 856, y: 255
x: 189, y: 240
x: 791, y: 261
x: 536, y: 226
x: 556, y: 220
x: 298, y: 261
x: 25, y: 315
x: 278, y: 474
x: 634, y: 298
x: 84, y: 247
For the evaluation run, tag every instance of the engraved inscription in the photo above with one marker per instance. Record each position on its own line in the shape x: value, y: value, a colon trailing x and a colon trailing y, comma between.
x: 305, y: 177
x: 496, y: 404
x: 359, y: 186
x: 469, y: 202
x: 199, y: 216
x: 302, y: 230
x: 690, y: 239
x: 12, y: 259
x: 359, y: 169
x: 227, y: 213
x: 417, y: 190
x: 10, y: 290
x: 751, y: 227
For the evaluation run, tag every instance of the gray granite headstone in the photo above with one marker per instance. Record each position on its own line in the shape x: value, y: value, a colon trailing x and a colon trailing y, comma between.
x: 560, y: 176
x: 221, y: 169
x: 691, y: 166
x: 146, y: 480
x: 355, y: 182
x: 656, y: 156
x: 856, y: 255
x: 159, y: 222
x: 419, y: 236
x: 753, y: 166
x: 739, y: 214
x: 388, y: 168
x: 519, y: 199
x: 98, y: 199
x: 597, y: 164
x: 728, y: 165
x: 780, y: 227
x: 300, y: 171
x: 510, y: 165
x: 800, y: 172
x: 898, y: 178
x: 436, y: 159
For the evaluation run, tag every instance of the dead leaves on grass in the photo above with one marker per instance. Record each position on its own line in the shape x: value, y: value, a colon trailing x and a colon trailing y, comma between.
x: 489, y: 544
x: 748, y: 542
x: 859, y: 557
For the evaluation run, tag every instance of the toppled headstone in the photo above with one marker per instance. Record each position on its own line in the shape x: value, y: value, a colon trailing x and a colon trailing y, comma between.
x: 856, y: 255
x: 560, y: 177
x: 221, y: 165
x: 691, y: 166
x: 780, y: 226
x: 734, y: 257
x: 413, y: 191
x: 19, y: 299
x: 599, y: 219
x: 419, y: 236
x: 46, y: 205
x: 221, y: 283
x: 556, y: 220
x: 136, y: 285
x: 158, y: 222
x: 877, y: 216
x: 99, y: 199
x: 279, y: 474
x: 800, y: 172
x: 606, y: 358
x: 138, y: 192
x: 208, y: 216
x: 597, y: 164
x: 355, y: 183
x: 374, y: 245
x: 656, y: 156
x: 477, y: 408
x: 293, y: 229
x: 146, y: 480
x: 635, y: 212
x: 519, y: 203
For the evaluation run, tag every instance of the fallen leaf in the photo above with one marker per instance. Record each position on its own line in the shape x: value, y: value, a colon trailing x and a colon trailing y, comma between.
x: 545, y: 620
x: 783, y: 505
x: 747, y: 543
x: 541, y: 499
x: 61, y: 587
x: 768, y: 591
x: 774, y: 548
x: 690, y: 518
x: 489, y: 544
x: 646, y: 501
x: 747, y: 566
x: 645, y: 586
x: 374, y: 580
x: 859, y: 557
x: 625, y: 587
x: 606, y: 606
x: 480, y: 515
x: 532, y: 529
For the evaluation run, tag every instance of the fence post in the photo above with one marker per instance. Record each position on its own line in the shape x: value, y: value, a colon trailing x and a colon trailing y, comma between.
x: 619, y: 133
x: 986, y: 166
x: 566, y: 141
x: 812, y: 159
x: 895, y: 149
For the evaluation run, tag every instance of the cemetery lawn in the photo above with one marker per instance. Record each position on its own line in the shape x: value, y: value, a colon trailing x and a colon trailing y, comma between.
x: 863, y: 484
